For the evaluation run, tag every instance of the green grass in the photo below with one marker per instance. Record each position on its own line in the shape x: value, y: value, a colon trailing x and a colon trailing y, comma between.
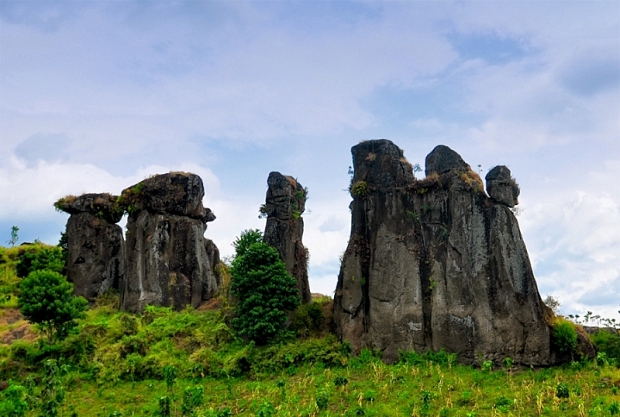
x: 116, y: 364
x: 119, y: 364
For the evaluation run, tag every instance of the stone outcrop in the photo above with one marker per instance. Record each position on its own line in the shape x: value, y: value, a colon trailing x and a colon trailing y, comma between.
x: 436, y: 263
x: 167, y: 258
x: 285, y: 203
x: 94, y: 243
x: 502, y: 188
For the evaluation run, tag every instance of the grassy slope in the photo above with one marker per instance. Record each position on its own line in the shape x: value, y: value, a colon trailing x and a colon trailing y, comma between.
x: 117, y: 363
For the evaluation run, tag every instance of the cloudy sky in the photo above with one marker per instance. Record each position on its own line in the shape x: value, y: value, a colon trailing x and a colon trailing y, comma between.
x: 96, y: 96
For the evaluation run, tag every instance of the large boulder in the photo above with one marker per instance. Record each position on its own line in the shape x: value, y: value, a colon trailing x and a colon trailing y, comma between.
x: 435, y: 264
x: 95, y: 261
x: 284, y: 205
x: 166, y: 252
x: 177, y: 193
x: 502, y: 188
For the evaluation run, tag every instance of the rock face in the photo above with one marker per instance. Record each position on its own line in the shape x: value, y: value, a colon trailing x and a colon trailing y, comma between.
x: 435, y: 264
x: 501, y: 187
x: 285, y: 203
x: 166, y: 252
x: 94, y: 244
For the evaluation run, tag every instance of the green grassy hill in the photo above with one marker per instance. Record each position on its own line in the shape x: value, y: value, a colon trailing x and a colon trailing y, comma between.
x: 190, y: 363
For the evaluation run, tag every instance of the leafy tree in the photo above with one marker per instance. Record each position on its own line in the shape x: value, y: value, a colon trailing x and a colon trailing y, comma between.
x: 262, y: 288
x: 47, y: 299
x: 38, y: 257
x: 247, y: 238
x: 14, y: 236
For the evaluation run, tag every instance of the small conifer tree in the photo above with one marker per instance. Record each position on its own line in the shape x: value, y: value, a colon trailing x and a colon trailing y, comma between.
x: 263, y: 290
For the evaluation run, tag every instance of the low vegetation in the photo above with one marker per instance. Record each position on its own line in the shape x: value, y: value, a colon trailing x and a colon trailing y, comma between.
x: 197, y: 363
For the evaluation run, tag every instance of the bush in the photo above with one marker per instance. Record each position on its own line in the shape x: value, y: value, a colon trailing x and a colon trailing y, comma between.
x: 47, y: 299
x: 263, y: 290
x: 564, y: 337
x: 607, y: 342
x: 13, y: 401
x: 308, y: 318
x: 38, y: 257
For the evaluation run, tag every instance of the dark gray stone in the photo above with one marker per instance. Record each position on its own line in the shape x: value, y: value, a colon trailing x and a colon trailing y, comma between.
x: 284, y: 205
x: 442, y: 159
x: 95, y: 261
x: 179, y: 193
x: 501, y: 187
x: 435, y: 264
x: 169, y: 262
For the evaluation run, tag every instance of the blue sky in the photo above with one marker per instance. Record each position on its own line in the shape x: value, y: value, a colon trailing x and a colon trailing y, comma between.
x: 95, y: 96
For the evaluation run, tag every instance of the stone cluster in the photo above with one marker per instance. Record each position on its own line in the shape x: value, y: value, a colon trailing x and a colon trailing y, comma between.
x: 436, y: 263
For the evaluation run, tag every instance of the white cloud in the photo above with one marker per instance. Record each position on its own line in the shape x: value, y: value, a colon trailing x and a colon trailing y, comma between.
x: 574, y: 245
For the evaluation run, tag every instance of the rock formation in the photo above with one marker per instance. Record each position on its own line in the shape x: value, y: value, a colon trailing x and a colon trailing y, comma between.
x: 436, y: 263
x: 94, y: 243
x: 502, y: 188
x: 285, y: 203
x: 166, y: 253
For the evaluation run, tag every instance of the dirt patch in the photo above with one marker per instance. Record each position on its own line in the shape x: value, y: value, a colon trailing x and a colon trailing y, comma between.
x: 9, y: 316
x: 21, y: 332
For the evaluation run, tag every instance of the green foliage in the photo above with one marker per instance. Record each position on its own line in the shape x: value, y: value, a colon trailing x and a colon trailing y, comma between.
x: 564, y: 337
x: 308, y: 318
x: 13, y: 401
x: 263, y: 290
x: 192, y: 398
x: 359, y: 189
x: 53, y: 392
x: 164, y: 407
x: 607, y: 342
x: 562, y: 390
x: 322, y: 400
x: 38, y: 257
x: 47, y: 299
x: 246, y: 239
x: 14, y: 236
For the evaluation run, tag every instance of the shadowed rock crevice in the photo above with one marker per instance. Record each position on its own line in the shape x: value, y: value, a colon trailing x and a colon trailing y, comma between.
x: 436, y: 263
x: 284, y: 205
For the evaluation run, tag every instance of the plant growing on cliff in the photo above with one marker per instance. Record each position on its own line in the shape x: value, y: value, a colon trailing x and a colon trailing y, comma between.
x: 359, y: 189
x: 564, y: 336
x: 262, y: 288
x: 47, y: 299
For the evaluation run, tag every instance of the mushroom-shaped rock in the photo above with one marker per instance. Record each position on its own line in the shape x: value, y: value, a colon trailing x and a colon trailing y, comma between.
x: 442, y: 159
x: 167, y: 258
x: 285, y: 202
x: 501, y: 187
x: 178, y: 193
x: 103, y: 205
x: 94, y: 243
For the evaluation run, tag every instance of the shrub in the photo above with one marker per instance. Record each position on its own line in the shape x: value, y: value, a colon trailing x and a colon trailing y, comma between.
x: 607, y: 342
x: 263, y: 290
x: 562, y: 390
x: 13, y: 401
x: 38, y: 257
x: 308, y: 318
x: 47, y: 299
x: 564, y: 337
